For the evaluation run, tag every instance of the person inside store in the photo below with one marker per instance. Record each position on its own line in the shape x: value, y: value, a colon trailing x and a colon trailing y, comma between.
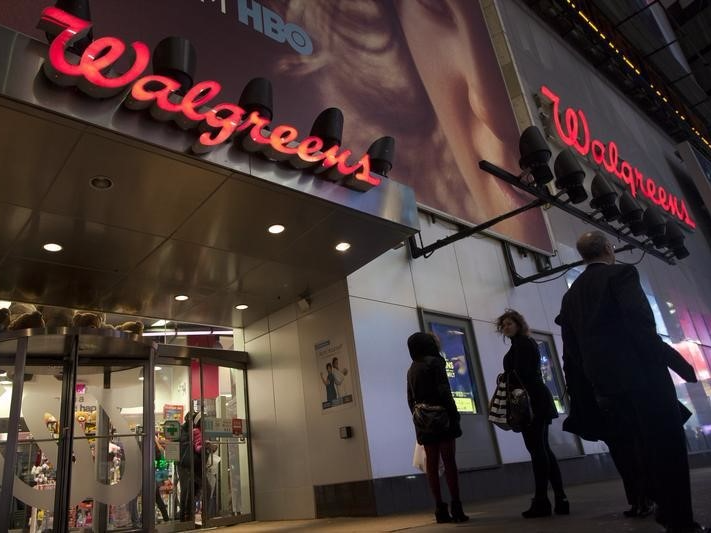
x: 612, y: 353
x: 427, y: 384
x: 189, y: 466
x: 522, y: 369
x: 160, y: 457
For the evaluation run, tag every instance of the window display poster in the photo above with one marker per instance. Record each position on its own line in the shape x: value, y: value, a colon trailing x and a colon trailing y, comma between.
x: 173, y: 412
x: 452, y: 341
x: 334, y: 373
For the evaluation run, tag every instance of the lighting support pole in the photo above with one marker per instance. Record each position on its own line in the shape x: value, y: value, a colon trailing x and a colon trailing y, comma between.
x: 416, y: 251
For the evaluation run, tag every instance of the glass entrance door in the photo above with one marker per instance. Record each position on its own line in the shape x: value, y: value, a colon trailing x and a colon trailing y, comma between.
x: 73, y: 453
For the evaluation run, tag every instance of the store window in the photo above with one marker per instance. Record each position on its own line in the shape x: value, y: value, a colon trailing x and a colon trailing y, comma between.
x: 550, y: 370
x: 457, y: 347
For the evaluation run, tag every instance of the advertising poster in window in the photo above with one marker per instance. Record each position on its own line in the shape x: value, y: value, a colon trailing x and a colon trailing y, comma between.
x: 424, y: 72
x: 334, y: 373
x: 452, y: 342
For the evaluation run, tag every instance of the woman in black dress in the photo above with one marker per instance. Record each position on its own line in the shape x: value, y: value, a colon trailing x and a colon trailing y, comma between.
x: 427, y: 383
x: 522, y: 367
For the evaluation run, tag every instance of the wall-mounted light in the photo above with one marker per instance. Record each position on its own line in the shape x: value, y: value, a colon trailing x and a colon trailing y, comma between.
x: 675, y: 241
x: 80, y: 9
x: 569, y: 176
x: 382, y: 155
x: 343, y: 246
x: 276, y: 229
x: 175, y: 57
x: 535, y: 155
x: 604, y: 198
x: 181, y: 298
x: 241, y: 307
x: 655, y: 226
x: 631, y: 214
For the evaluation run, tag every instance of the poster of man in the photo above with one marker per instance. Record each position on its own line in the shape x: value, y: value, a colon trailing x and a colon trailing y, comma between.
x: 332, y: 361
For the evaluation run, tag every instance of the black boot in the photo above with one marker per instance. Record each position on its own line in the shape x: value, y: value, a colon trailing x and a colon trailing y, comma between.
x: 457, y: 512
x: 442, y: 514
x: 539, y: 507
x: 562, y: 506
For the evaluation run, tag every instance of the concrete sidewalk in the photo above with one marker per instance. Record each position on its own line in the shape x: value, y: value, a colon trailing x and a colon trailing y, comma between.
x: 595, y: 507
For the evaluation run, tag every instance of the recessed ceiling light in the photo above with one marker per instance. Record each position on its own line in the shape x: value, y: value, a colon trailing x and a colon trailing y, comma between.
x: 182, y: 297
x: 276, y: 228
x: 140, y: 378
x: 53, y: 247
x: 101, y: 183
x: 343, y: 246
x: 158, y: 368
x: 241, y: 307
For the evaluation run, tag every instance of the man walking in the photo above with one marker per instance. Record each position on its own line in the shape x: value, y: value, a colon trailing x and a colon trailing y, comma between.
x: 612, y: 351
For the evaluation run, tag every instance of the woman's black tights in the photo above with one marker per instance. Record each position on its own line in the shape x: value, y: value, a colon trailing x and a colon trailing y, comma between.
x: 545, y: 465
x: 446, y: 449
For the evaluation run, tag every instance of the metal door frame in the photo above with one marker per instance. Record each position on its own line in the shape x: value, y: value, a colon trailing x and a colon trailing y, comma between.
x: 70, y: 358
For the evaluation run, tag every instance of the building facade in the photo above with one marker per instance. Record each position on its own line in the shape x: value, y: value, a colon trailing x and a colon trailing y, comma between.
x: 329, y: 430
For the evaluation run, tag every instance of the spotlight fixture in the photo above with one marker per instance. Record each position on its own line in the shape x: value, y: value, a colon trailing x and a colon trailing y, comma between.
x: 241, y: 307
x: 569, y: 176
x: 80, y: 9
x: 276, y: 229
x: 535, y: 155
x: 257, y: 96
x: 101, y: 183
x: 382, y: 154
x: 343, y: 246
x: 53, y: 247
x: 175, y: 57
x: 675, y: 241
x: 328, y: 127
x: 604, y: 198
x: 181, y: 298
x: 655, y: 227
x: 631, y: 214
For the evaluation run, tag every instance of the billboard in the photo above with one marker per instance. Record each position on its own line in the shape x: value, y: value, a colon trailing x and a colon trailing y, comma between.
x: 422, y: 71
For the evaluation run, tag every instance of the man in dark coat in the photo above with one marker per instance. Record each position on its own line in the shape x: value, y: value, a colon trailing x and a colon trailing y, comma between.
x: 611, y: 344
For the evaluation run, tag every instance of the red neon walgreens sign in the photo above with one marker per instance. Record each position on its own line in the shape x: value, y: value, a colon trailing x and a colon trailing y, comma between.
x: 217, y: 123
x: 573, y: 129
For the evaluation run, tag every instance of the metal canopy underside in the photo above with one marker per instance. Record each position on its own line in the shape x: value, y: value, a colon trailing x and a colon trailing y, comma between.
x: 171, y: 224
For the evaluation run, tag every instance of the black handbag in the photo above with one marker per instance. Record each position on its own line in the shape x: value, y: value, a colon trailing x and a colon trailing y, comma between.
x: 519, y: 411
x: 430, y: 419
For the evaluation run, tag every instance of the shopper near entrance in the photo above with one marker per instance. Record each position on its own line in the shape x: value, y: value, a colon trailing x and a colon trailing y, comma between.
x: 611, y: 343
x: 427, y: 385
x: 522, y: 368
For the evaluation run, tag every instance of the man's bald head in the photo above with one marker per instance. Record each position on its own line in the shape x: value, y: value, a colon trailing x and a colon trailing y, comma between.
x: 594, y: 246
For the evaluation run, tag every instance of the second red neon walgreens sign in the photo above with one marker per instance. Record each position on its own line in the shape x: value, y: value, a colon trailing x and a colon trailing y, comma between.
x: 573, y: 130
x: 217, y: 123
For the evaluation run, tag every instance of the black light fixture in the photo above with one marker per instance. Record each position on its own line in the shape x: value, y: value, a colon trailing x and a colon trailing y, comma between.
x: 631, y: 214
x: 175, y: 57
x: 569, y: 176
x: 328, y: 127
x: 604, y: 198
x: 655, y: 226
x: 535, y: 155
x: 382, y: 154
x: 257, y: 95
x: 675, y: 241
x: 80, y: 9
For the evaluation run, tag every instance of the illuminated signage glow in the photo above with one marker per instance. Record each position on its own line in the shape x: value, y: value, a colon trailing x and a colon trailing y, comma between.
x: 217, y: 123
x: 573, y: 130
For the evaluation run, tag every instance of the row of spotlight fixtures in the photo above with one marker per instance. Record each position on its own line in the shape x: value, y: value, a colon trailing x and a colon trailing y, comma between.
x: 663, y: 235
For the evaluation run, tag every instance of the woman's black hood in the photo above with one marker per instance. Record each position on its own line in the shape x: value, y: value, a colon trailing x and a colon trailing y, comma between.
x: 422, y: 345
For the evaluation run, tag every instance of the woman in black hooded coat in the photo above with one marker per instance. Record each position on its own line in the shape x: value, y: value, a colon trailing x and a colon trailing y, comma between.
x: 427, y: 383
